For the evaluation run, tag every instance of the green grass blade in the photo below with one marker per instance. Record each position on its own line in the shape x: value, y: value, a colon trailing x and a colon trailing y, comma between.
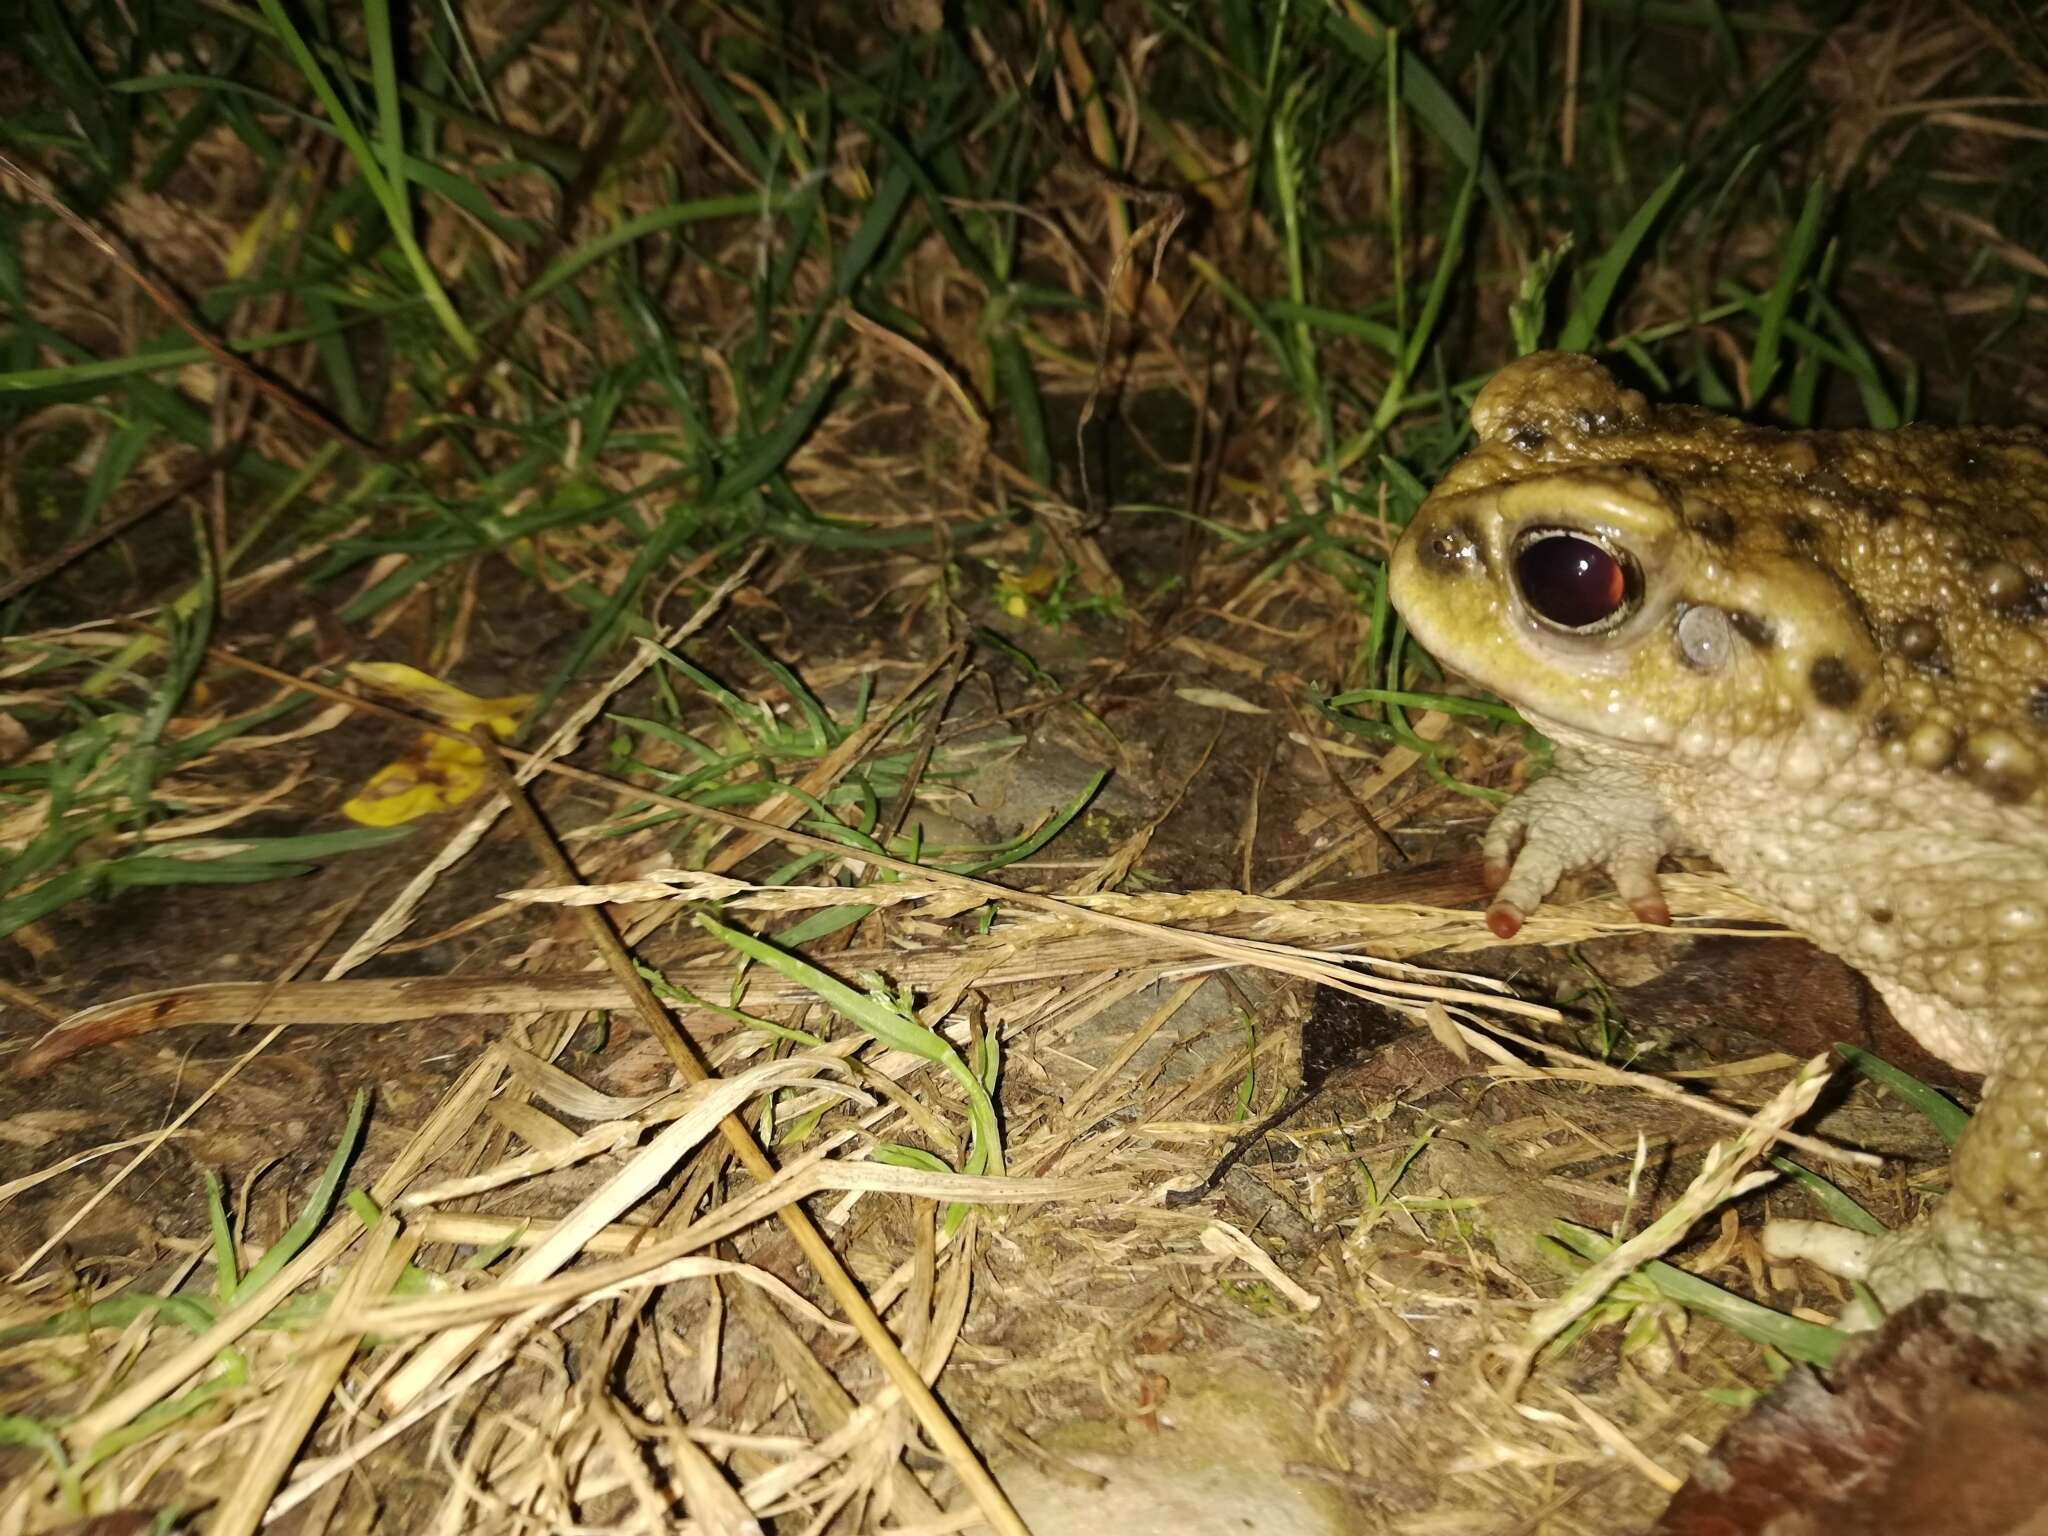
x: 1835, y: 1203
x: 1019, y: 389
x: 1382, y: 338
x: 885, y: 1020
x: 1255, y: 317
x: 318, y: 1204
x: 675, y: 529
x: 1766, y: 355
x: 1024, y: 847
x: 1790, y: 1336
x: 226, y: 1271
x: 396, y: 215
x: 653, y: 222
x: 19, y: 1429
x: 1424, y: 95
x: 1584, y: 325
x: 1948, y: 1119
x: 390, y: 117
x: 772, y: 449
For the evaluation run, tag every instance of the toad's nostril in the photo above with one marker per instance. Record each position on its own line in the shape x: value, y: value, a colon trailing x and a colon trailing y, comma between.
x: 1450, y: 549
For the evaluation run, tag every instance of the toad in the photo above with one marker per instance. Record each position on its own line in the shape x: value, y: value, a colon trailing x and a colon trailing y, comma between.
x: 1821, y: 658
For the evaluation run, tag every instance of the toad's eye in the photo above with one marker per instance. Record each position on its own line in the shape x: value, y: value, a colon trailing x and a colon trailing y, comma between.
x: 1573, y: 582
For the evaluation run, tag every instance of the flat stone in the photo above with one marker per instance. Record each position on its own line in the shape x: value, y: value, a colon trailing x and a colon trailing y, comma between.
x: 1224, y: 1462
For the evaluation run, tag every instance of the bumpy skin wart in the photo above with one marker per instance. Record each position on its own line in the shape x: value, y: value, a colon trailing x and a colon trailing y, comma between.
x: 1830, y: 673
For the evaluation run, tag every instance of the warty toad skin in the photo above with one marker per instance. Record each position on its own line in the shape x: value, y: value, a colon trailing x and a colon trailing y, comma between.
x: 1822, y: 659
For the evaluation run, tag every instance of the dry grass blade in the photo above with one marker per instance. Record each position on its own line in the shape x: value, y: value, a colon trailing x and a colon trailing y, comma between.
x: 393, y: 920
x: 1609, y: 1434
x: 1055, y: 938
x: 1719, y: 1180
x: 619, y: 1194
x: 967, y: 1466
x: 1221, y: 1238
x: 28, y: 1181
x: 457, y: 1110
x: 307, y: 951
x: 309, y: 1385
x: 468, y: 1316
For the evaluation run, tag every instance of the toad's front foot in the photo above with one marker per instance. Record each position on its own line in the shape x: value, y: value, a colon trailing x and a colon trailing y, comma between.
x: 1938, y: 1253
x: 1989, y: 1237
x: 1583, y: 817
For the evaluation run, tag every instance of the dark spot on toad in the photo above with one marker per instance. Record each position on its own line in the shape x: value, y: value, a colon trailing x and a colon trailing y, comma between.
x: 1889, y: 725
x: 1753, y: 628
x: 1879, y: 509
x: 1527, y: 439
x: 2000, y: 764
x: 1834, y: 682
x: 1800, y: 532
x: 2037, y: 705
x: 1829, y: 484
x: 1918, y: 639
x: 2002, y: 584
x: 1711, y: 523
x: 1971, y: 463
x: 1882, y: 916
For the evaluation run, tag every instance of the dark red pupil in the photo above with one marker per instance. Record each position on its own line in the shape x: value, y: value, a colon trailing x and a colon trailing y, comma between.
x: 1571, y: 581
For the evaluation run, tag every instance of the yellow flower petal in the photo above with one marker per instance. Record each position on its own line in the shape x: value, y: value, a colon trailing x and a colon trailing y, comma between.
x: 442, y: 700
x: 437, y: 775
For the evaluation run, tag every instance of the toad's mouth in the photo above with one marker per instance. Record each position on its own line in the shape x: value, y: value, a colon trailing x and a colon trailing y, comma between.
x: 1565, y: 696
